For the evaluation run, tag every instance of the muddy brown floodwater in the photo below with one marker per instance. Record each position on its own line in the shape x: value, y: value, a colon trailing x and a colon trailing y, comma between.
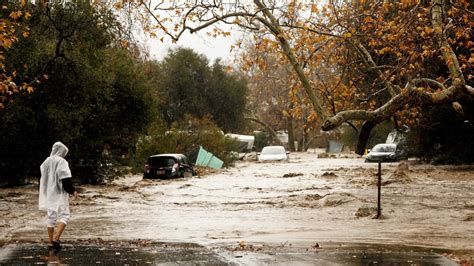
x: 294, y: 205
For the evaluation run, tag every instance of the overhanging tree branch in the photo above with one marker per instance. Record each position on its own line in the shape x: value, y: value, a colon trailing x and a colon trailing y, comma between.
x: 446, y: 51
x: 407, y: 96
x: 430, y: 82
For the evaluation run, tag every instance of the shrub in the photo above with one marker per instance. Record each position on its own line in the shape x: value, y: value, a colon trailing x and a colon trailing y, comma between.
x: 185, y: 137
x: 261, y: 140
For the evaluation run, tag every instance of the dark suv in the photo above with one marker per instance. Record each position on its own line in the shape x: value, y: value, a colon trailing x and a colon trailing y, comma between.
x: 167, y: 166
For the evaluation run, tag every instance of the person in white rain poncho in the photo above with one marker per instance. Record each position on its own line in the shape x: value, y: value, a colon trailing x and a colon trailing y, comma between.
x: 55, y: 185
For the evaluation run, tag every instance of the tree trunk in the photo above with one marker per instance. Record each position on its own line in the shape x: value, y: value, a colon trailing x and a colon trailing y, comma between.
x: 275, y: 29
x: 267, y: 128
x: 291, y: 134
x: 364, y: 136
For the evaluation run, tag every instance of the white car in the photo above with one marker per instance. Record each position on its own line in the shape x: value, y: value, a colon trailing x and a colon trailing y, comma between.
x: 273, y: 153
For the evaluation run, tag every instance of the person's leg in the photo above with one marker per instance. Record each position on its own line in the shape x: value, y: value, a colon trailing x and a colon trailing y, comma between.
x: 59, y: 230
x: 51, y: 217
x: 64, y: 216
x: 50, y: 234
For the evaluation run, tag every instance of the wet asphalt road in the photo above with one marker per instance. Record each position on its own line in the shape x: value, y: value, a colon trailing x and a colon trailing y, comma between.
x: 119, y: 253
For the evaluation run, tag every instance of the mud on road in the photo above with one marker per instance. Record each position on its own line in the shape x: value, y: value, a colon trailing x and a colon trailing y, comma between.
x: 305, y: 201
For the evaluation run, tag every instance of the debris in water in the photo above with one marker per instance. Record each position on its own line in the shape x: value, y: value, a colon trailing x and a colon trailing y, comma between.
x: 399, y: 175
x: 184, y: 186
x: 208, y: 159
x: 336, y: 199
x: 329, y: 174
x: 365, y: 211
x: 292, y: 174
x: 313, y: 197
x: 242, y: 246
x: 469, y: 218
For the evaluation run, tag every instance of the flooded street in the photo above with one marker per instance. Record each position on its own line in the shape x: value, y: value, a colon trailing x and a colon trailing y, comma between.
x: 297, y: 205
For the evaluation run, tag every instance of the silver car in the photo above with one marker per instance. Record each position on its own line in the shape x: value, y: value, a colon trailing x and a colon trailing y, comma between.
x: 386, y: 152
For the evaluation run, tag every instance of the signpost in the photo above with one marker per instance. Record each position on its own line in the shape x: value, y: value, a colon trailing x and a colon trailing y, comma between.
x: 379, y: 187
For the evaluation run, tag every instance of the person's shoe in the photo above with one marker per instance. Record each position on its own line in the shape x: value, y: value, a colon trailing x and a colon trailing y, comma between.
x: 56, y: 245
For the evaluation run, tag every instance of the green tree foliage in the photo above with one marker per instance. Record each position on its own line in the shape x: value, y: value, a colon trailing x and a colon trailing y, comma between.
x: 188, y: 85
x: 261, y: 140
x: 94, y: 96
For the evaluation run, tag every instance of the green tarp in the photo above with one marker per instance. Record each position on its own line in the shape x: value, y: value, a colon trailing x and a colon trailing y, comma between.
x: 208, y: 159
x: 334, y: 147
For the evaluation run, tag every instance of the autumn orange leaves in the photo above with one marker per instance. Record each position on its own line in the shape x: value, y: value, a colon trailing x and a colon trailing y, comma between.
x: 11, y: 30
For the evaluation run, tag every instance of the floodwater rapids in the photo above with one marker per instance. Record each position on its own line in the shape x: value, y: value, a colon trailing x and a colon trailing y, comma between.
x: 304, y: 201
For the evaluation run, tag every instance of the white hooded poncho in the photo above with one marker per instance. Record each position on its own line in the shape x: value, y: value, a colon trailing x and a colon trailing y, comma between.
x: 53, y: 170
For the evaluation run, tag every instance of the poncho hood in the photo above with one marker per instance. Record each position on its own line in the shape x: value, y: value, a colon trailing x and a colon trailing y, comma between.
x: 59, y: 149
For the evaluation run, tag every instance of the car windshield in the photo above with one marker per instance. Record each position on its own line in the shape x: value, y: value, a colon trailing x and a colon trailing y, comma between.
x: 184, y: 160
x: 384, y: 148
x: 273, y: 150
x: 161, y: 161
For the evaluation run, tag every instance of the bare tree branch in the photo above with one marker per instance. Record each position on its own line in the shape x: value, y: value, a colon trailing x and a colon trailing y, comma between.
x: 372, y: 95
x: 380, y: 67
x: 222, y: 18
x: 429, y: 81
x: 470, y: 90
x: 408, y: 95
x: 265, y: 125
x: 392, y: 89
x: 446, y: 51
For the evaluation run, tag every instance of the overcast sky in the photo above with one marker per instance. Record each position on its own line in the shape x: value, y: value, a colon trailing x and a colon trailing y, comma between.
x: 212, y: 48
